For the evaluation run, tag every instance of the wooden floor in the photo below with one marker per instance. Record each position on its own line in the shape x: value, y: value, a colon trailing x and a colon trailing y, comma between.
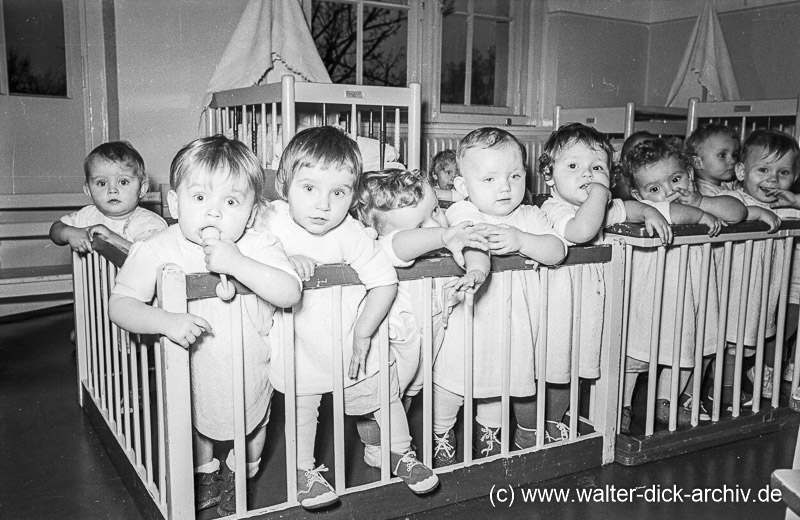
x: 52, y: 465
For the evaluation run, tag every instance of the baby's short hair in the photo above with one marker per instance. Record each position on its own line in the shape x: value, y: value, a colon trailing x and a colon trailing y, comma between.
x: 634, y: 139
x: 389, y: 189
x: 567, y: 135
x: 705, y: 132
x: 770, y: 142
x: 121, y: 152
x: 321, y: 146
x: 648, y: 153
x: 487, y: 138
x: 220, y: 156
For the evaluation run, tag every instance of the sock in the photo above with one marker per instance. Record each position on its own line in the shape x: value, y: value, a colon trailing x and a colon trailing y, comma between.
x: 208, y: 467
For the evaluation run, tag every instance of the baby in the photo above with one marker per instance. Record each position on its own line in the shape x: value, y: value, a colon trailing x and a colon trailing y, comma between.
x: 319, y: 180
x: 714, y: 150
x: 116, y: 181
x: 402, y: 208
x: 216, y: 189
x: 491, y: 165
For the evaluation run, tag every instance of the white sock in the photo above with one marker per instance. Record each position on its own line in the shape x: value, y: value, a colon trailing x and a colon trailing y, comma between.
x: 208, y: 467
x: 252, y: 467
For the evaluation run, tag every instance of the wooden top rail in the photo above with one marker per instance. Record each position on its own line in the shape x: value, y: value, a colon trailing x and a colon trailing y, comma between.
x: 45, y: 201
x: 438, y: 265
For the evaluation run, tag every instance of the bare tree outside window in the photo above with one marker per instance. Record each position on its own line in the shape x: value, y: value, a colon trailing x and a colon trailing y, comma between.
x: 334, y: 27
x: 35, y: 50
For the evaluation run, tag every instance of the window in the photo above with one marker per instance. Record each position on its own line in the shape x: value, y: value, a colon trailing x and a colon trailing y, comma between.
x: 34, y: 47
x: 475, y: 52
x: 361, y: 41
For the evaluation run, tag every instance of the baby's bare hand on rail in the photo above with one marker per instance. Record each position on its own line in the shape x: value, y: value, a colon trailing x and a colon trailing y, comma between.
x: 304, y: 266
x: 184, y: 329
x: 358, y: 362
x: 504, y: 239
x: 465, y: 235
x: 714, y: 224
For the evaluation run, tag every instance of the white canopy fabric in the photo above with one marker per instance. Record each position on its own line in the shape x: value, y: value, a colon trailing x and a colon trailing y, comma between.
x: 272, y: 40
x: 706, y: 63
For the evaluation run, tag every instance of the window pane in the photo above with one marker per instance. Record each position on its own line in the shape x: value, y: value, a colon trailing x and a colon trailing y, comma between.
x: 490, y: 63
x: 35, y: 52
x: 492, y: 7
x: 385, y: 41
x: 333, y: 27
x: 454, y: 45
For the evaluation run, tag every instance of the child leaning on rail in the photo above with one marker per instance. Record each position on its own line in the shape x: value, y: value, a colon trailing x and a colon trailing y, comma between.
x: 402, y: 208
x: 659, y: 174
x: 491, y: 177
x: 714, y: 150
x: 319, y: 179
x: 576, y: 163
x: 216, y: 189
x: 764, y: 176
x: 116, y: 181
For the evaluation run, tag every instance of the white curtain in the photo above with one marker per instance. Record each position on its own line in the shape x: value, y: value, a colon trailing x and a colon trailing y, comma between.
x: 706, y: 63
x: 272, y: 40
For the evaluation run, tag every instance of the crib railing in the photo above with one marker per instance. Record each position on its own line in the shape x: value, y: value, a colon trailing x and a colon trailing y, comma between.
x: 137, y: 391
x: 725, y: 265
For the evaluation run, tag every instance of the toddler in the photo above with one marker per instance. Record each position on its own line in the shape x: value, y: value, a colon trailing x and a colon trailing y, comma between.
x: 765, y: 175
x: 402, y: 208
x: 619, y: 184
x: 319, y: 180
x: 216, y: 188
x: 659, y: 174
x: 576, y: 163
x: 116, y: 181
x: 491, y: 165
x: 444, y: 169
x: 714, y: 150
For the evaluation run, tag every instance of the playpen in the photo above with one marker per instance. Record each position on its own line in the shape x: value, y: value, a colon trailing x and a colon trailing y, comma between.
x: 136, y: 389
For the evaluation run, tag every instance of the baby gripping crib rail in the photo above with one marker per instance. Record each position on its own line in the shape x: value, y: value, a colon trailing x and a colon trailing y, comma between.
x: 139, y: 397
x: 733, y: 292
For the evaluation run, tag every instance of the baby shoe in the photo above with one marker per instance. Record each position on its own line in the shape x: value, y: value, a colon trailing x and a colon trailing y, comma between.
x: 207, y: 489
x: 486, y: 441
x: 788, y: 372
x: 444, y: 449
x: 625, y: 420
x: 313, y: 491
x: 662, y: 413
x: 417, y: 476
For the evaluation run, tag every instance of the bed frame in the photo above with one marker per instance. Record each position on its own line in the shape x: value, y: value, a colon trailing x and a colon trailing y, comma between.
x: 624, y: 120
x: 746, y: 116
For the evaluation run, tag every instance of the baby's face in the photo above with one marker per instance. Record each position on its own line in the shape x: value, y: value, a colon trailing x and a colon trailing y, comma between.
x: 493, y: 179
x: 575, y: 168
x: 658, y: 182
x: 224, y: 204
x: 114, y: 188
x: 716, y: 159
x: 426, y: 214
x: 319, y: 198
x: 445, y: 175
x: 765, y: 172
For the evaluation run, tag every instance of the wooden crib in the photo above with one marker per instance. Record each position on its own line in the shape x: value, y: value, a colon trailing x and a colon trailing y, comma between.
x: 620, y: 122
x: 746, y: 116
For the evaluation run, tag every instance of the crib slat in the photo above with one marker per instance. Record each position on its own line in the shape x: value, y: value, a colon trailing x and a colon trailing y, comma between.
x: 146, y: 414
x: 788, y: 248
x: 137, y: 407
x: 162, y: 474
x: 338, y: 389
x: 239, y: 428
x: 290, y: 400
x: 701, y: 334
x: 80, y: 323
x: 677, y: 338
x: 469, y: 353
x: 117, y: 352
x: 727, y: 265
x: 106, y: 337
x: 744, y: 292
x: 575, y: 361
x: 762, y: 327
x: 541, y: 360
x: 505, y: 396
x: 126, y: 387
x: 655, y: 335
x: 386, y: 414
x: 427, y: 372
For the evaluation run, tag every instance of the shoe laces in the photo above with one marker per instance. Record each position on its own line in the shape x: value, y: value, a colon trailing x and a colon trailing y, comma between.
x: 442, y: 444
x: 410, y: 459
x: 313, y: 475
x: 562, y: 428
x: 489, y: 437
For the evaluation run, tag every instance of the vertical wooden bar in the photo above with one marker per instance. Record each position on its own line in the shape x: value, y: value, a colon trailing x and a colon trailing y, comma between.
x: 786, y: 275
x: 338, y: 388
x: 627, y: 251
x: 95, y: 387
x: 722, y: 328
x: 655, y: 337
x: 125, y: 340
x: 117, y: 352
x: 176, y: 404
x: 81, y: 344
x: 469, y: 413
x: 146, y: 414
x: 162, y: 462
x: 386, y: 414
x: 239, y: 426
x: 505, y: 395
x: 105, y: 327
x: 264, y: 133
x: 762, y: 327
x: 612, y: 367
x: 700, y: 333
x: 677, y: 337
x: 574, y: 380
x: 288, y: 114
x: 290, y: 400
x: 540, y: 356
x: 747, y: 267
x: 427, y: 372
x: 414, y: 127
x: 137, y: 407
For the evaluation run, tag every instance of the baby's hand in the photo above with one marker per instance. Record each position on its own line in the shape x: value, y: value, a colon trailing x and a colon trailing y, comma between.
x: 600, y: 178
x: 786, y: 199
x: 690, y: 198
x: 221, y: 255
x: 469, y: 283
x: 184, y: 328
x: 714, y: 224
x: 452, y: 298
x: 99, y: 230
x: 80, y: 239
x: 462, y: 235
x: 358, y: 362
x: 304, y: 266
x: 769, y: 218
x: 656, y: 224
x: 504, y: 239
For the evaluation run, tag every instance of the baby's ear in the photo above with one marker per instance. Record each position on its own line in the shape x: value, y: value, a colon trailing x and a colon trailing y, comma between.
x: 740, y: 172
x: 697, y: 162
x: 460, y: 186
x: 144, y: 187
x: 86, y: 189
x: 550, y: 182
x: 635, y: 194
x: 172, y: 203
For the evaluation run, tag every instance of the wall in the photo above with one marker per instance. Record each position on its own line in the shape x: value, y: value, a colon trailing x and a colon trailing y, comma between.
x: 594, y: 61
x: 166, y: 54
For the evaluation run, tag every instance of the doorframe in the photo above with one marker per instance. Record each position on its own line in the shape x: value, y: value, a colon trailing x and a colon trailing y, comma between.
x: 98, y: 58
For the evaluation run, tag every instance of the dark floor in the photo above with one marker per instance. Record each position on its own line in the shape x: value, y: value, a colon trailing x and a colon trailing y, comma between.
x: 52, y: 465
